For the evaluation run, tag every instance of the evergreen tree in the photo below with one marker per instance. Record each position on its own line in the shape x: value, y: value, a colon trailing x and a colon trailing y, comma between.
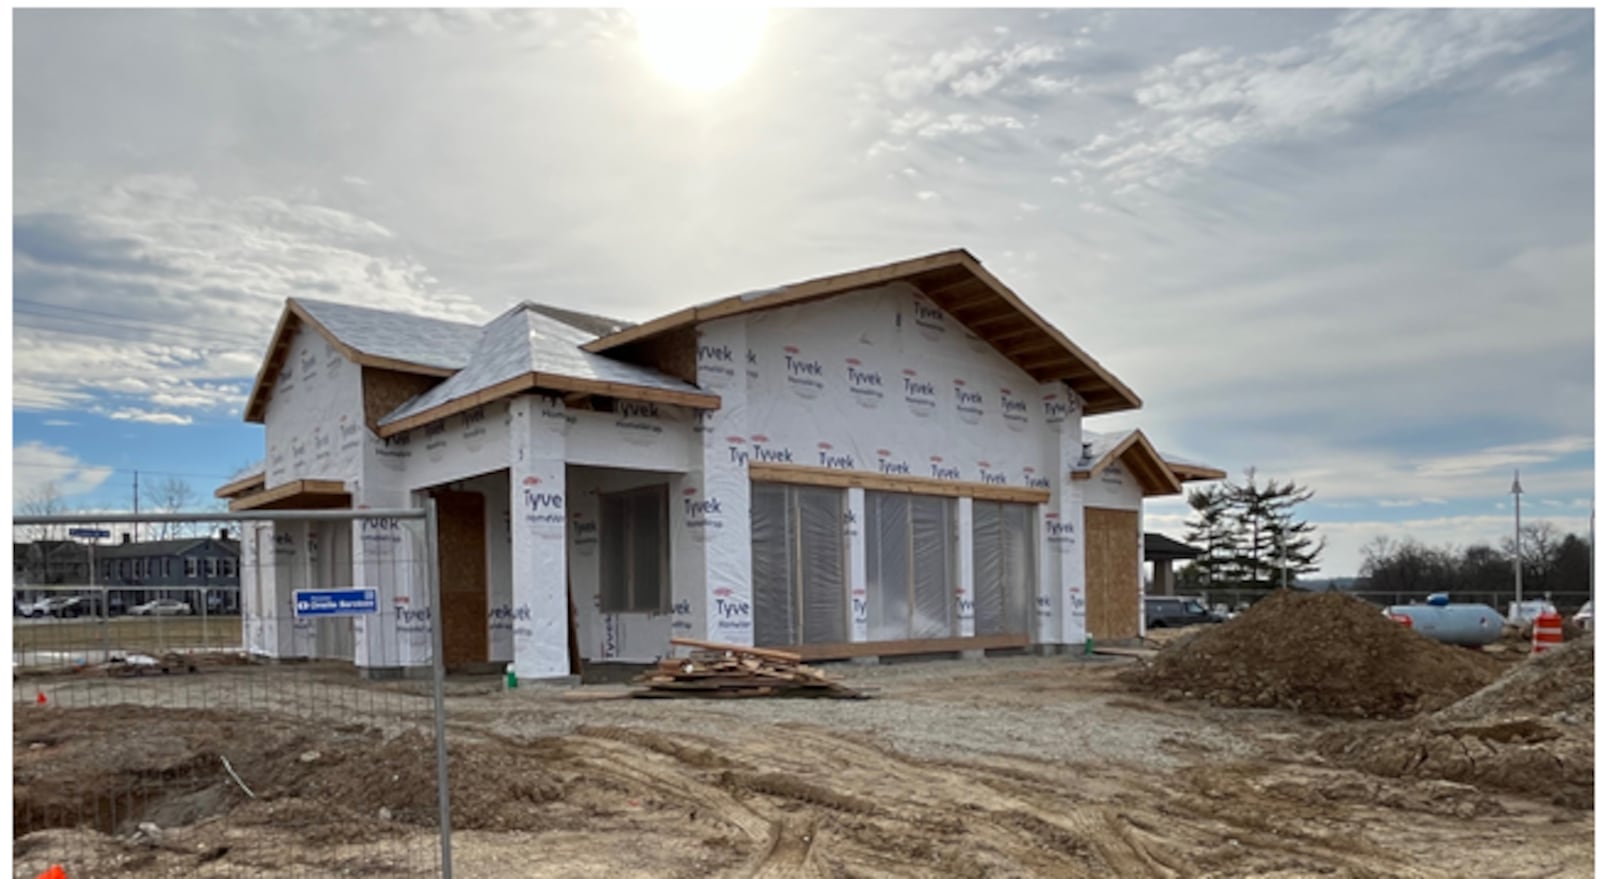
x: 1249, y: 534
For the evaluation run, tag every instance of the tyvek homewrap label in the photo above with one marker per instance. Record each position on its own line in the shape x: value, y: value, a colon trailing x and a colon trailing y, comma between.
x: 937, y: 398
x: 865, y: 383
x: 717, y: 364
x: 804, y: 376
x: 856, y: 553
x: 539, y: 538
x: 714, y: 500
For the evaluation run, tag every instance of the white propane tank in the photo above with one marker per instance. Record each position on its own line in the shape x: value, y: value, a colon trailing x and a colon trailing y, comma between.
x: 1473, y: 625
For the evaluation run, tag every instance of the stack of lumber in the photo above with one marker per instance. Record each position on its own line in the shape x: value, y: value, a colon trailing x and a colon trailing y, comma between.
x: 727, y: 671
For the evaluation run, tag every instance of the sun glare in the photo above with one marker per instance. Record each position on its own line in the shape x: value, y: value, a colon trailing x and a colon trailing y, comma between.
x: 700, y: 49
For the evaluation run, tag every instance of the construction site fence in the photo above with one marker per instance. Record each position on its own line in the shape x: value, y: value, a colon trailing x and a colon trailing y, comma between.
x: 1566, y: 603
x: 226, y: 722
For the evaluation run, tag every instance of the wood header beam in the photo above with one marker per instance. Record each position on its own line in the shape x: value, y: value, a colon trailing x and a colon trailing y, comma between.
x: 795, y: 474
x: 812, y: 652
x: 301, y: 493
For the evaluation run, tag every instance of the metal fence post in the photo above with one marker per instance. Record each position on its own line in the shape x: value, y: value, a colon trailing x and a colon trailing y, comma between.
x: 436, y: 616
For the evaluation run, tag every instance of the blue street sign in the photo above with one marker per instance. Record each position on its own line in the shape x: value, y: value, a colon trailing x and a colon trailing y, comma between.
x: 334, y: 602
x: 88, y: 532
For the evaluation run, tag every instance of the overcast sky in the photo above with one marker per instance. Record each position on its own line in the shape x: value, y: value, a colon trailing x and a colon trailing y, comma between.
x: 1355, y: 250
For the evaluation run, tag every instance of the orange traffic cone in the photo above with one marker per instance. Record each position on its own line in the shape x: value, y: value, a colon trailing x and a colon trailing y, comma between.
x: 41, y: 700
x: 55, y: 872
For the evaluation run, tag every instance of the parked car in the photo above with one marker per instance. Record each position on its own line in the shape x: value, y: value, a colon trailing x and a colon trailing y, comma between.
x: 1523, y: 613
x: 161, y: 607
x: 1584, y: 618
x: 1163, y: 612
x: 62, y: 606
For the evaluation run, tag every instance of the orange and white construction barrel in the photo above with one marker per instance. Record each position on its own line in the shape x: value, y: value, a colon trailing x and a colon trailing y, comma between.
x: 1546, y: 632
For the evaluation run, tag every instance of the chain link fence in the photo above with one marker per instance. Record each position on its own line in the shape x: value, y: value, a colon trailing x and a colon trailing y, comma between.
x: 257, y: 731
x: 1567, y: 603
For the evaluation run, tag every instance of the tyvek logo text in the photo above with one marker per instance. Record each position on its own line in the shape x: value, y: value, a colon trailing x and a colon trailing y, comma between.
x: 827, y: 457
x: 969, y: 402
x: 866, y: 385
x: 920, y: 394
x: 804, y: 376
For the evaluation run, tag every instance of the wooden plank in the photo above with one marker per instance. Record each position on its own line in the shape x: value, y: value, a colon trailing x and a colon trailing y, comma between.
x: 796, y: 474
x: 912, y: 646
x: 779, y: 655
x: 241, y: 485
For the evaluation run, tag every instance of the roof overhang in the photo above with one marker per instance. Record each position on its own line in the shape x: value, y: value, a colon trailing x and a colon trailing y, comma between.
x: 1139, y: 456
x: 293, y: 318
x: 1191, y: 472
x: 956, y: 282
x: 301, y: 494
x: 245, y: 485
x: 561, y: 384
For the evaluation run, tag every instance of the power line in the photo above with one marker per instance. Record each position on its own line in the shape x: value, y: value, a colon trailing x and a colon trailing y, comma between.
x: 80, y: 326
x: 122, y: 320
x: 121, y: 470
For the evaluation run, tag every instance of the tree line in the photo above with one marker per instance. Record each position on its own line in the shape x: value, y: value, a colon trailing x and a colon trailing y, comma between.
x: 1551, y: 562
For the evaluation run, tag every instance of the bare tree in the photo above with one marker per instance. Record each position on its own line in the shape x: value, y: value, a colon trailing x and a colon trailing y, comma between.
x: 171, y: 495
x: 1541, y: 546
x: 45, y: 500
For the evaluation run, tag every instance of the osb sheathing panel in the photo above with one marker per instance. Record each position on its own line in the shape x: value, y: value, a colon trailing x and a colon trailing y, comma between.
x: 383, y: 390
x: 463, y: 577
x: 1111, y: 568
x: 672, y: 352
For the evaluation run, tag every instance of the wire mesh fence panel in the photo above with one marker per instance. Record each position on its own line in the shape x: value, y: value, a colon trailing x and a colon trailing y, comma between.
x: 285, y: 727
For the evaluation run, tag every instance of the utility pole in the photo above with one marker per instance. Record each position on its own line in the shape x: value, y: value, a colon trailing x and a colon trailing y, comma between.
x: 1283, y: 561
x: 1516, y: 492
x: 136, y: 505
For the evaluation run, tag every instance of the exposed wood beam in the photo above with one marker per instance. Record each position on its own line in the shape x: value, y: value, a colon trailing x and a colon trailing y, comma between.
x: 795, y: 474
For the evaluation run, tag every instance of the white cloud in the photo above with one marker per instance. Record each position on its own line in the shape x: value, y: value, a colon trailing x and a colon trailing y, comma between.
x: 1207, y: 100
x: 1534, y: 75
x: 34, y: 464
x: 927, y: 195
x: 158, y: 293
x: 59, y: 422
x: 1502, y: 458
x: 149, y: 417
x: 974, y: 70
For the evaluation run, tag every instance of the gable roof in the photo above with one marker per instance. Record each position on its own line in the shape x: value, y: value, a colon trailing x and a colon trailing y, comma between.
x: 178, y: 546
x: 955, y: 281
x: 524, y: 349
x: 1134, y: 450
x: 367, y: 336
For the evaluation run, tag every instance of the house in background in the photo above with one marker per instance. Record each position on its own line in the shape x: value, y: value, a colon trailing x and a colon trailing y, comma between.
x: 48, y: 563
x: 887, y: 461
x: 146, y: 570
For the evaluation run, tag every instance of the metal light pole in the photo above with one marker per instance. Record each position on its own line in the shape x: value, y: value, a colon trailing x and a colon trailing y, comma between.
x: 1516, y: 492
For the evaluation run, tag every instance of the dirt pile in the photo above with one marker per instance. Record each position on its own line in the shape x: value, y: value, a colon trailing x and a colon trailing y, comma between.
x: 1324, y: 653
x: 73, y: 768
x: 1531, y: 732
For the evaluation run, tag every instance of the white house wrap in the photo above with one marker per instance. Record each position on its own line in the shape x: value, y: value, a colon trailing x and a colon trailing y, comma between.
x: 885, y: 461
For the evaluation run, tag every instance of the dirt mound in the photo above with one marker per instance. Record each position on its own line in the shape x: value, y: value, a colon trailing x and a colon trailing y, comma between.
x: 1557, y: 685
x: 78, y: 766
x: 1324, y: 653
x: 1531, y: 732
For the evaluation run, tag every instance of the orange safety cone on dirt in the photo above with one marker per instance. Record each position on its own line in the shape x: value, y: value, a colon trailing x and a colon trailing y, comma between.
x: 55, y: 872
x: 1546, y: 632
x: 41, y: 700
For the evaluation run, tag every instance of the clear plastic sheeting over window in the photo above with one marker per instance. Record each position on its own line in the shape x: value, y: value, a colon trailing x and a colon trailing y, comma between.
x: 911, y: 566
x: 797, y: 564
x: 1003, y: 568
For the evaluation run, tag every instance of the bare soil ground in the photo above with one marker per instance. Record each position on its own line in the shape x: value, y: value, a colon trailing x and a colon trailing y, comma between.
x: 1026, y: 766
